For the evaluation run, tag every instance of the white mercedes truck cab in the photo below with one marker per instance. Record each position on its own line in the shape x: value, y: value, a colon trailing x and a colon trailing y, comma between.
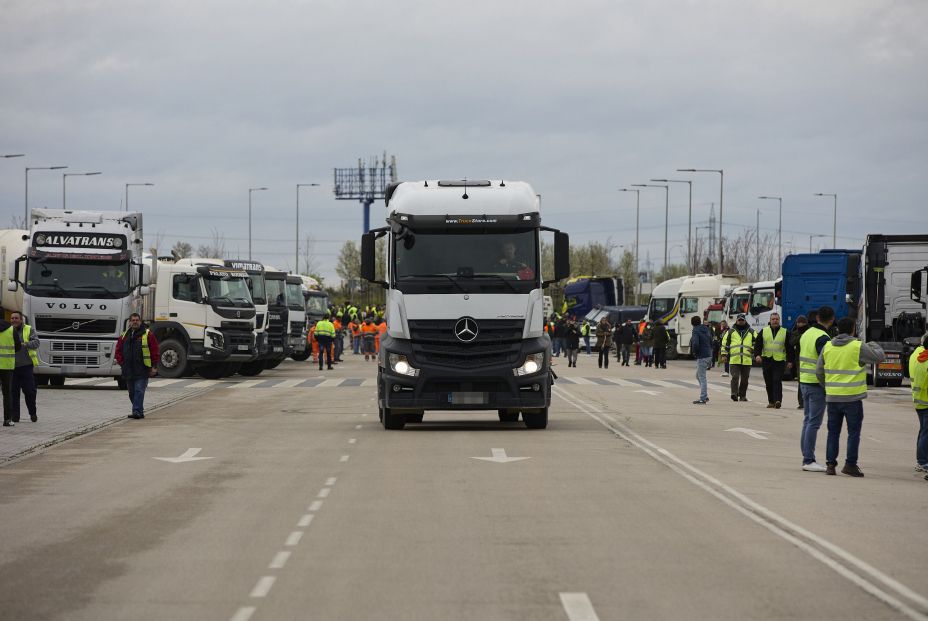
x: 464, y: 301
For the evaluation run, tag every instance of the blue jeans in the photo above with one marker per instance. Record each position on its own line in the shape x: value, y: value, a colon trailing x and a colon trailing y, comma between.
x: 853, y: 412
x: 813, y: 401
x: 586, y: 342
x: 558, y: 345
x: 702, y: 365
x: 356, y: 344
x: 137, y: 387
x: 921, y: 446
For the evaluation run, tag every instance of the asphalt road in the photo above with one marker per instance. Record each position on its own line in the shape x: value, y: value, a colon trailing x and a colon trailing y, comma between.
x: 633, y: 504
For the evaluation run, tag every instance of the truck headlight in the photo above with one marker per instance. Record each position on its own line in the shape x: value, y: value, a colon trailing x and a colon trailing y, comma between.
x: 532, y: 364
x: 216, y: 340
x: 399, y: 364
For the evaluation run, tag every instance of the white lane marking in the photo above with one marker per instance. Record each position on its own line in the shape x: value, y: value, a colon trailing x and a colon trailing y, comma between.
x: 263, y: 587
x: 578, y: 607
x: 243, y: 614
x: 74, y: 381
x: 305, y: 521
x: 653, y: 393
x: 582, y: 381
x: 324, y: 492
x: 330, y: 481
x: 874, y: 439
x: 158, y: 383
x: 316, y: 505
x: 499, y: 456
x: 358, y: 426
x: 280, y: 559
x: 369, y: 382
x: 353, y: 441
x: 292, y: 383
x: 775, y: 523
x: 294, y: 538
x: 204, y: 384
x: 662, y: 383
x: 331, y: 383
x: 622, y: 382
x: 188, y: 455
x: 247, y: 383
x: 344, y: 458
x: 365, y: 414
x: 754, y: 433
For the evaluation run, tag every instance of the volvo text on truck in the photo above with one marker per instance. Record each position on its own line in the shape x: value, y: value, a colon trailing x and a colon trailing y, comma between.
x: 464, y: 301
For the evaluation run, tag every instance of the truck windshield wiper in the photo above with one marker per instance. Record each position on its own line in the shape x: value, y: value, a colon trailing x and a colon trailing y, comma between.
x: 505, y: 281
x: 445, y: 276
x: 54, y: 285
x: 101, y: 287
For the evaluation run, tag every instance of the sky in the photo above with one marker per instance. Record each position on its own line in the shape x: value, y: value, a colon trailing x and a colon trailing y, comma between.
x: 207, y: 99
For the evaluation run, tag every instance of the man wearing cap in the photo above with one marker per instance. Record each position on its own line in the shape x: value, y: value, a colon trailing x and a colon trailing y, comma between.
x: 738, y: 350
x: 842, y: 370
x: 770, y: 353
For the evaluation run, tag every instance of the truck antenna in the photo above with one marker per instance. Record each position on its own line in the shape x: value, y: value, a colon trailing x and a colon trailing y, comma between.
x: 465, y: 196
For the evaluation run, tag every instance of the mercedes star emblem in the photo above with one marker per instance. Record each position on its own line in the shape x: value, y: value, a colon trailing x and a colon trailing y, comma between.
x: 466, y: 329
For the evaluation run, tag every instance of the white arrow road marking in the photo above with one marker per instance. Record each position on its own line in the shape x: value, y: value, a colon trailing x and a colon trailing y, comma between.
x: 578, y: 607
x: 189, y: 455
x: 653, y: 393
x: 499, y: 456
x: 751, y: 432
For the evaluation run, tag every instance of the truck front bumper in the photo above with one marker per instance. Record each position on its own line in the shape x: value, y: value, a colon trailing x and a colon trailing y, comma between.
x: 77, y: 357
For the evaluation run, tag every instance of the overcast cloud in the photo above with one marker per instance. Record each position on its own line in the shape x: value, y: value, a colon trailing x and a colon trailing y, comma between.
x: 208, y: 98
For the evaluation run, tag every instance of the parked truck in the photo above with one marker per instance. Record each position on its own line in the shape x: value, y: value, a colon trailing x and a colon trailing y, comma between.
x: 873, y: 285
x: 278, y: 317
x: 203, y: 317
x: 81, y: 274
x: 664, y: 307
x: 697, y: 293
x: 296, y: 318
x: 258, y: 290
x: 464, y: 306
x: 585, y: 293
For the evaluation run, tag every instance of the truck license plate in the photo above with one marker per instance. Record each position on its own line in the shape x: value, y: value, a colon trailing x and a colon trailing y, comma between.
x: 467, y: 398
x: 278, y: 349
x: 243, y: 347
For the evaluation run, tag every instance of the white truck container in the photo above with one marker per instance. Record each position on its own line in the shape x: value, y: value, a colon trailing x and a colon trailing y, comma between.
x: 696, y: 294
x: 82, y: 275
x: 464, y: 314
x: 203, y: 317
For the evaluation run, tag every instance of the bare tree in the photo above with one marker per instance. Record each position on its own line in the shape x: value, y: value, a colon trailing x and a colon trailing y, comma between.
x: 181, y: 250
x: 348, y: 265
x: 216, y: 248
x: 308, y: 256
x: 18, y: 222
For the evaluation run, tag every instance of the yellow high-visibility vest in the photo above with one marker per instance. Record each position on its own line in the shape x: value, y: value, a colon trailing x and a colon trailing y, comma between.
x: 808, y: 356
x: 918, y: 371
x: 740, y: 350
x: 146, y: 351
x: 774, y: 346
x: 8, y: 348
x: 844, y: 376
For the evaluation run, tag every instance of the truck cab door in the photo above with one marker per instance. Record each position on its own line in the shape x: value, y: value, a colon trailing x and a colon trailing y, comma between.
x: 187, y: 304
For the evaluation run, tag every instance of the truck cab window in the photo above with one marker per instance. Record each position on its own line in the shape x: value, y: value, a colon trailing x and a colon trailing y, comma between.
x: 689, y: 305
x: 186, y: 289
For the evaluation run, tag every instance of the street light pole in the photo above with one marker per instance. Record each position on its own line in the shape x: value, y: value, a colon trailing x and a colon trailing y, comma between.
x: 721, y: 173
x: 811, y: 237
x: 666, y: 214
x: 28, y: 168
x: 64, y: 184
x: 127, y: 191
x: 779, y: 230
x: 834, y: 226
x: 689, y: 226
x: 637, y: 221
x: 250, y: 190
x: 296, y: 261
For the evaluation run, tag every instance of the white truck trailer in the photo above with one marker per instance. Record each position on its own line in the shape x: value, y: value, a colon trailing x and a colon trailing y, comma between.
x: 82, y: 275
x: 465, y: 327
x: 664, y: 306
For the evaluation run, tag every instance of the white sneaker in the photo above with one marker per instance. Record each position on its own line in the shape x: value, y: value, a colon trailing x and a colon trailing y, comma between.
x: 813, y: 467
x: 919, y: 468
x: 725, y: 375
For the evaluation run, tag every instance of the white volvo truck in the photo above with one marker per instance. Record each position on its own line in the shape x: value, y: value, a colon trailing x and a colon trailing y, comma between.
x: 82, y: 275
x: 296, y: 318
x: 258, y: 290
x: 465, y: 311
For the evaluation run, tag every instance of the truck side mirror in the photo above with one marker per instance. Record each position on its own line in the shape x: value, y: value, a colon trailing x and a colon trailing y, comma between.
x: 368, y: 257
x: 144, y: 290
x: 917, y: 285
x: 12, y: 285
x: 146, y: 275
x: 561, y: 255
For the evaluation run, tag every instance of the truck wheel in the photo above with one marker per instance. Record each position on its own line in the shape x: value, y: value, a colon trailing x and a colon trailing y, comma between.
x: 896, y: 383
x: 537, y: 419
x: 415, y: 418
x: 173, y: 359
x: 506, y: 416
x: 273, y: 363
x: 56, y: 380
x: 211, y: 371
x: 251, y: 369
x: 391, y: 420
x: 301, y: 356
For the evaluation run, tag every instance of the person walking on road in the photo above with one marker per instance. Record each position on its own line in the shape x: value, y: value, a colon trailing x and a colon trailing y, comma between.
x: 646, y: 344
x: 626, y: 340
x: 813, y: 394
x: 661, y: 342
x: 842, y: 370
x: 369, y: 338
x: 720, y: 337
x: 325, y: 336
x: 701, y: 348
x: 585, y: 333
x: 918, y: 371
x: 571, y: 342
x: 25, y: 344
x: 604, y: 341
x: 7, y: 365
x: 737, y: 352
x: 137, y: 355
x: 770, y: 351
x: 792, y: 351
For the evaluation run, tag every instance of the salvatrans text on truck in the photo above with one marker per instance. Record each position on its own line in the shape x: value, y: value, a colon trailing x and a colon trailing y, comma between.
x: 84, y: 240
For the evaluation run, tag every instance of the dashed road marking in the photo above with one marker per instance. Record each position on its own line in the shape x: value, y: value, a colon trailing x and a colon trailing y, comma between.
x: 324, y: 492
x: 305, y: 521
x: 280, y: 559
x: 263, y: 587
x: 578, y: 607
x: 294, y: 538
x: 344, y: 458
x: 316, y: 505
x: 330, y: 481
x: 243, y: 614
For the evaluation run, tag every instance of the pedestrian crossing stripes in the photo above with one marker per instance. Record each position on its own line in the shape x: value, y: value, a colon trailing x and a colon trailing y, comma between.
x: 196, y: 383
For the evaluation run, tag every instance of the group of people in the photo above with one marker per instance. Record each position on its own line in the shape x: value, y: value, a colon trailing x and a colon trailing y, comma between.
x: 648, y: 340
x: 327, y: 337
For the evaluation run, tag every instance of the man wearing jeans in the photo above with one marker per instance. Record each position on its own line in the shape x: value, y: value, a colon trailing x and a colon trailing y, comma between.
x: 701, y: 348
x: 841, y: 369
x: 811, y: 343
x: 137, y: 353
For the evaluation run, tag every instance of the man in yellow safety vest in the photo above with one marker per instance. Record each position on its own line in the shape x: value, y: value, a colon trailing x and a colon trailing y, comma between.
x: 918, y: 371
x: 738, y: 351
x: 770, y: 352
x: 842, y: 370
x: 811, y: 343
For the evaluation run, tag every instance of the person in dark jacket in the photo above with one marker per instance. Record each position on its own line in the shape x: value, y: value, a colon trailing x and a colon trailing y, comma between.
x: 661, y: 341
x: 770, y: 351
x: 701, y: 348
x: 26, y: 343
x: 604, y: 341
x: 626, y: 336
x: 571, y: 342
x: 792, y: 352
x: 138, y: 355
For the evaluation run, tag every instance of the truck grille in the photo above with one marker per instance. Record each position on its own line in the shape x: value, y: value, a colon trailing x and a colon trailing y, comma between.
x: 74, y: 346
x: 238, y: 338
x: 498, y: 342
x: 77, y: 360
x: 75, y: 325
x: 296, y: 329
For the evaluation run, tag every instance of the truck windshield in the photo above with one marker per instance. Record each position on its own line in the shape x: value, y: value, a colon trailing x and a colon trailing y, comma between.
x: 738, y: 303
x: 83, y: 279
x: 762, y: 301
x: 659, y: 307
x: 317, y: 304
x: 276, y: 291
x: 496, y: 261
x: 257, y: 289
x: 295, y: 297
x: 228, y: 291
